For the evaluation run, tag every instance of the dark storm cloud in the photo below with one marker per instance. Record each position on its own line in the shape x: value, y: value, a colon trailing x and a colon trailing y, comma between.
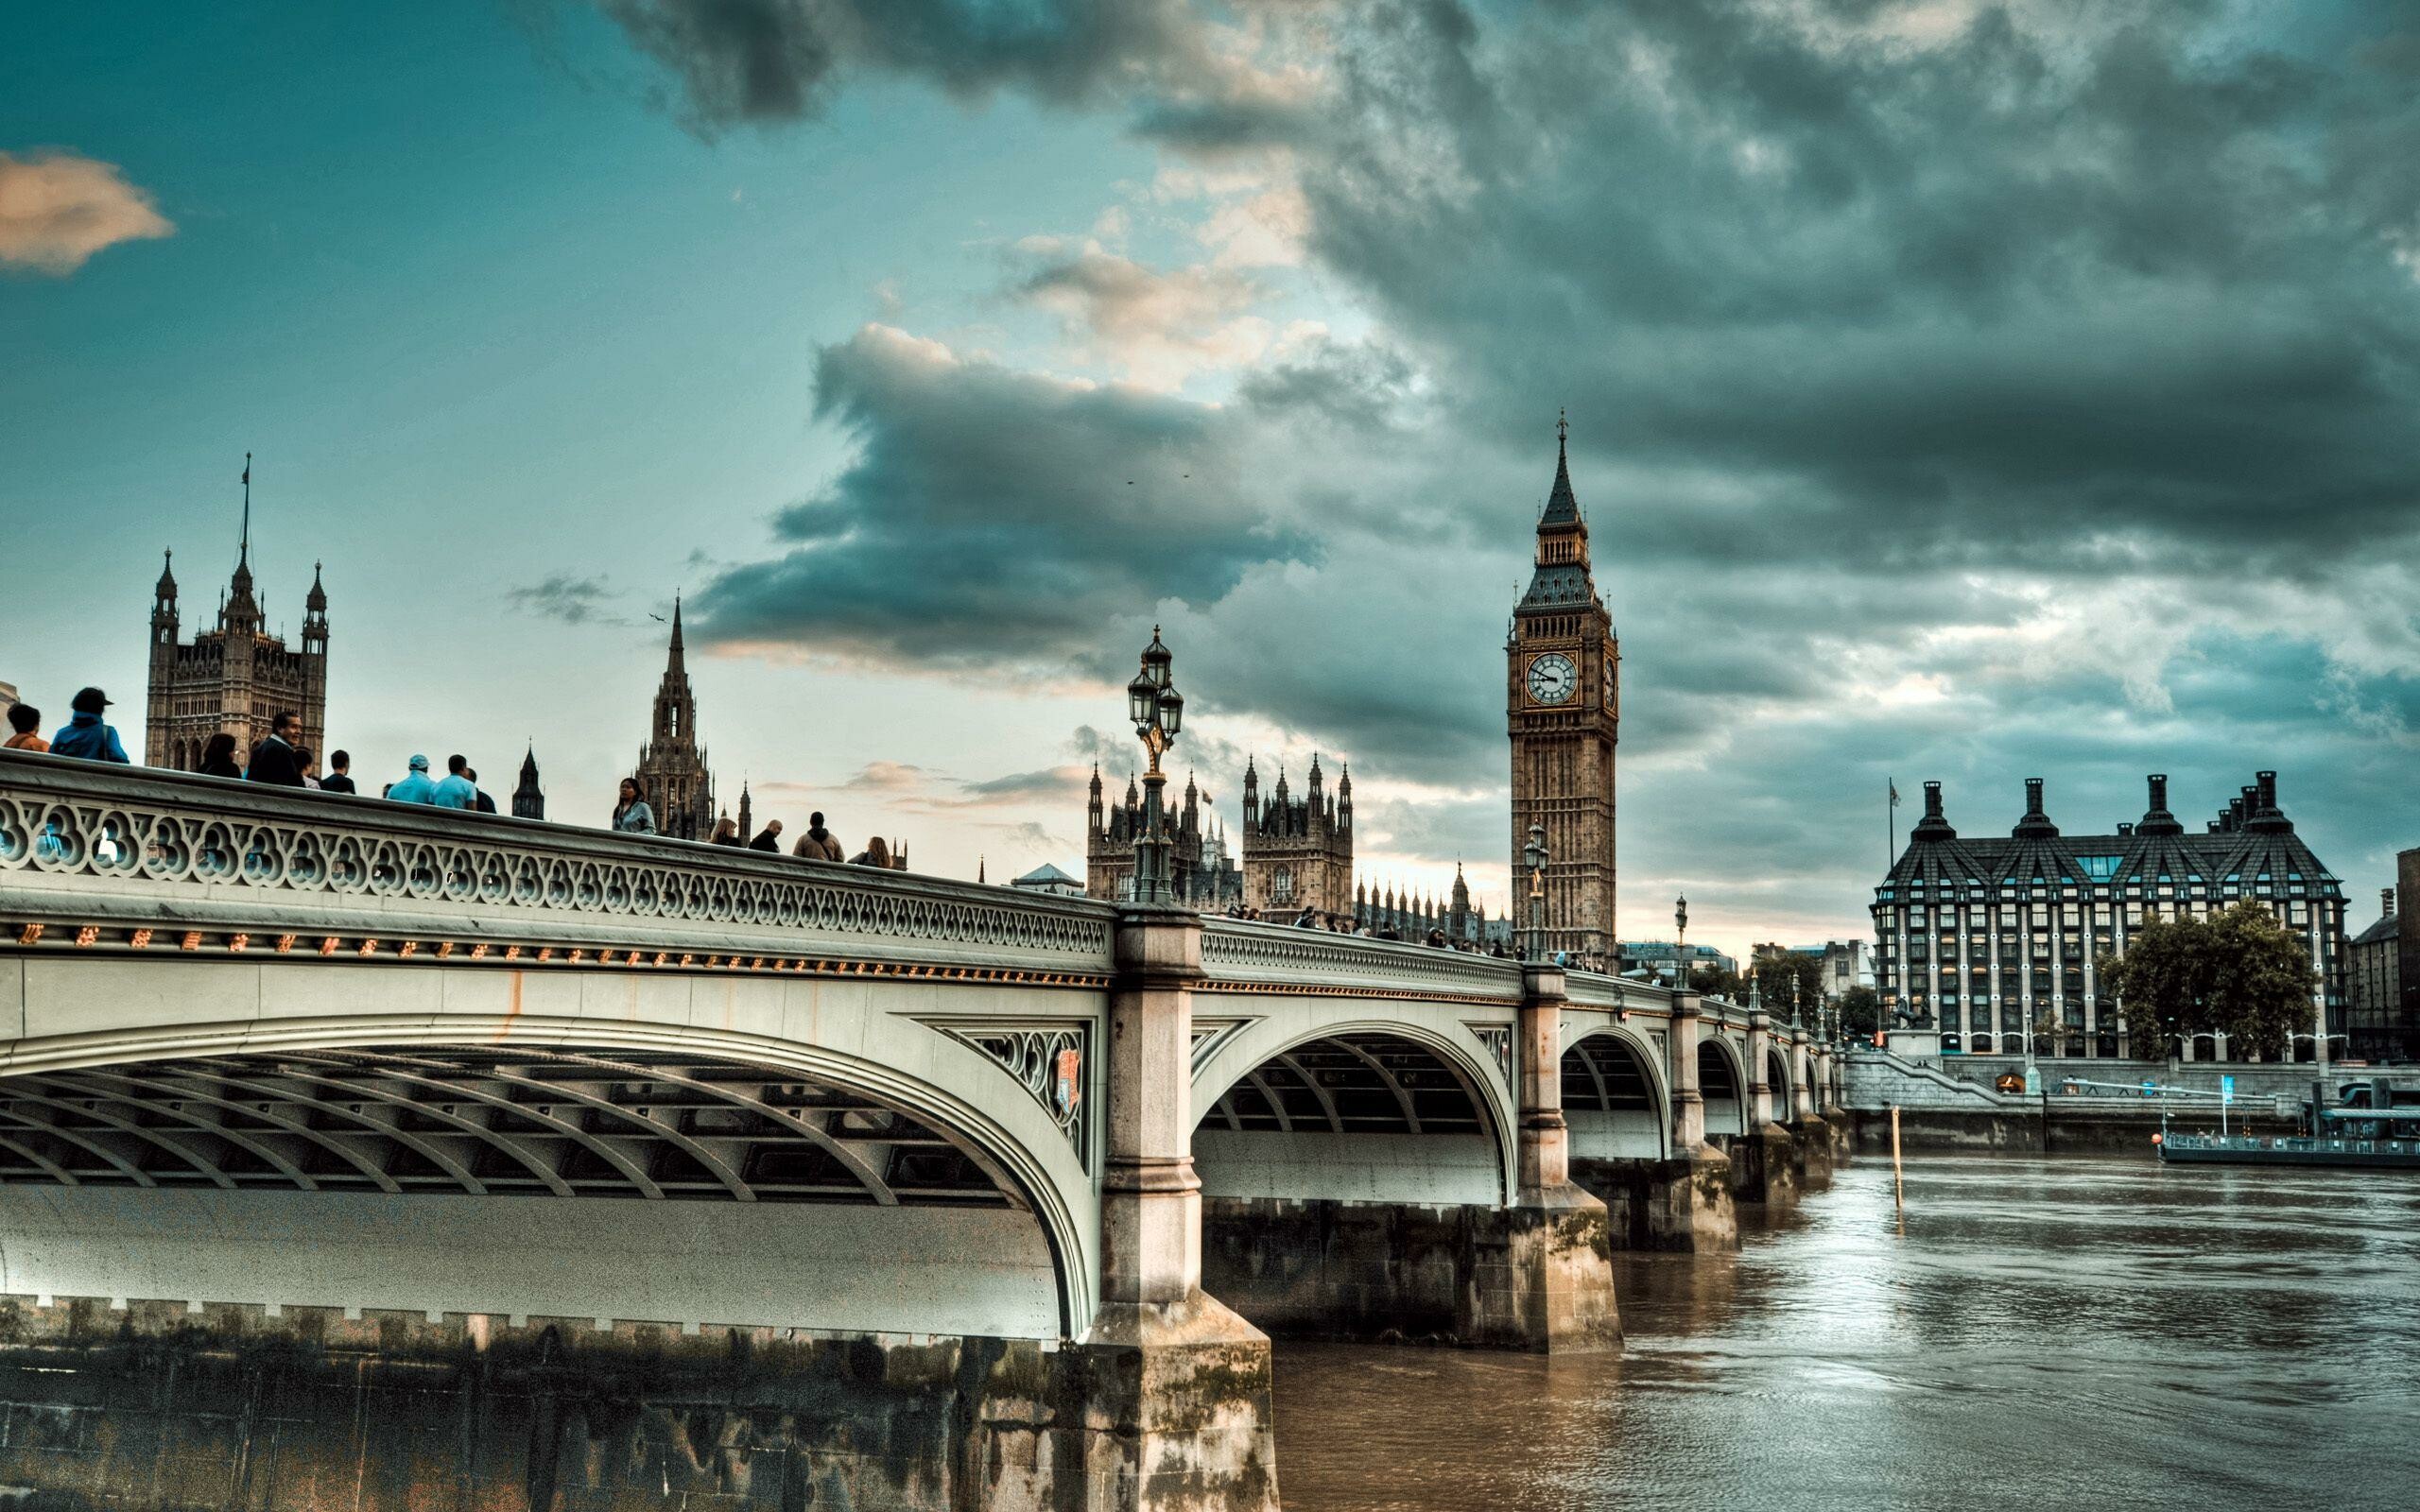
x: 2036, y: 396
x: 996, y: 518
x: 1998, y: 298
x: 759, y: 60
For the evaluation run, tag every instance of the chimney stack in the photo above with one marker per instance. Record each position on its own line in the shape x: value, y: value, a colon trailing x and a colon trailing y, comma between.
x: 2386, y: 902
x: 2156, y: 819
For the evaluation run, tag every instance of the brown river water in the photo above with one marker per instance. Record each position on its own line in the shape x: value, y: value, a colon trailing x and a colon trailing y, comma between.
x: 2035, y: 1333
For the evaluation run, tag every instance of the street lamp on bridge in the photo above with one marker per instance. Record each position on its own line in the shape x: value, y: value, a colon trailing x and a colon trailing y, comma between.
x: 1681, y: 943
x: 1158, y: 711
x: 1533, y: 856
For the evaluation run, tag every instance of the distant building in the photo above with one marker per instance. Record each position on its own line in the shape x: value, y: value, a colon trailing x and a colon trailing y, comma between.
x: 672, y: 765
x: 1384, y: 911
x: 1847, y: 963
x: 2374, y: 1022
x: 1985, y: 938
x: 1046, y: 877
x: 2407, y: 923
x: 1562, y: 712
x: 235, y: 676
x: 1201, y: 871
x: 1660, y: 960
x: 528, y: 799
x: 1298, y: 853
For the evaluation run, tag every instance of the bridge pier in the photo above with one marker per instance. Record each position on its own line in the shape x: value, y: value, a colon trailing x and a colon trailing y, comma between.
x: 1766, y: 1162
x: 1813, y: 1133
x: 1684, y: 1202
x: 1184, y: 1384
x: 1533, y: 1273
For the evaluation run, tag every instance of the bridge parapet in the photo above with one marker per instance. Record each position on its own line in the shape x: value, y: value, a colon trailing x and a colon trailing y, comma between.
x: 130, y: 859
x: 1241, y: 953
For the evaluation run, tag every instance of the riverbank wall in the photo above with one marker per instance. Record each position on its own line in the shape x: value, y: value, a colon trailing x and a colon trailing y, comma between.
x: 164, y: 1407
x: 1952, y: 1102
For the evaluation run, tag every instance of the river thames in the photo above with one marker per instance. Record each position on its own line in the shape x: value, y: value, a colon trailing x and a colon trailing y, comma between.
x: 2071, y: 1332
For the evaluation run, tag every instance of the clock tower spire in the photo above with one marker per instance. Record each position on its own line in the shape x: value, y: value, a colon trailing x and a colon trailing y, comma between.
x: 1563, y: 691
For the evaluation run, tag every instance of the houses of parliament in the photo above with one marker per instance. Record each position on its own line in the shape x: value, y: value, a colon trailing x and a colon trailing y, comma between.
x: 1562, y: 716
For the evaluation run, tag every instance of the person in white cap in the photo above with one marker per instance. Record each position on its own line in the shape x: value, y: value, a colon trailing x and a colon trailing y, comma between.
x: 415, y: 787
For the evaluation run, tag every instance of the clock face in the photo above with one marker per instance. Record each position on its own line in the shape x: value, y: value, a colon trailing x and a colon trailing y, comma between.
x: 1552, y: 676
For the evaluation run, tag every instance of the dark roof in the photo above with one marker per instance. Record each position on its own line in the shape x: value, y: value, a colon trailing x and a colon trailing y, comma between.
x: 2265, y: 849
x: 1562, y: 506
x: 1563, y: 583
x: 2385, y: 928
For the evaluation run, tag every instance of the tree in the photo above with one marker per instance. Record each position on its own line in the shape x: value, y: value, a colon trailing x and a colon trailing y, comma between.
x: 1861, y: 1012
x: 1791, y: 981
x: 2239, y: 973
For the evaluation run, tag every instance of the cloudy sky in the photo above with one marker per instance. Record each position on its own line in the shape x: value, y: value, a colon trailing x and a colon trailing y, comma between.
x: 1958, y: 390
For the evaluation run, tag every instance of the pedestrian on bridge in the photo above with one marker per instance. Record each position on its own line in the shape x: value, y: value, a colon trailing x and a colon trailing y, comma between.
x: 415, y: 787
x: 631, y: 813
x: 218, y: 757
x: 340, y: 778
x: 303, y: 758
x: 25, y: 729
x: 817, y: 843
x: 455, y: 790
x: 273, y: 759
x: 726, y: 832
x: 483, y: 803
x: 84, y: 734
x: 767, y: 839
x: 875, y: 854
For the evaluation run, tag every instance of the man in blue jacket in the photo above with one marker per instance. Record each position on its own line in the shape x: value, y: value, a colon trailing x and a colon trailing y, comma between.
x: 415, y: 787
x: 85, y: 735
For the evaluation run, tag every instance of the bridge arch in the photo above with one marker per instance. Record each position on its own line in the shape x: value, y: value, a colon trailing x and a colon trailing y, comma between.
x: 1379, y: 1109
x: 1777, y: 1078
x: 902, y: 1183
x: 1614, y: 1097
x: 1722, y: 1080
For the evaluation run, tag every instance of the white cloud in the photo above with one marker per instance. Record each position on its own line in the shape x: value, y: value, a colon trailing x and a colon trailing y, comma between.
x: 58, y: 209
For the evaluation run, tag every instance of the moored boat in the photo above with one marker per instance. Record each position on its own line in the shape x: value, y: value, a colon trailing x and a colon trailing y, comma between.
x: 2370, y: 1123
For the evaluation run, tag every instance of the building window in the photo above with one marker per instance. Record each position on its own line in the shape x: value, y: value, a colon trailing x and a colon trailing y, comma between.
x: 1280, y: 886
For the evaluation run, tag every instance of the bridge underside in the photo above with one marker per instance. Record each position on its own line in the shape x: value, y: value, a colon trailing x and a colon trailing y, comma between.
x: 555, y: 1181
x: 1357, y: 1118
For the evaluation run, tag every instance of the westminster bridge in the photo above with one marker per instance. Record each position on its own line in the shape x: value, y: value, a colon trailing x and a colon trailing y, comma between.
x: 351, y: 1152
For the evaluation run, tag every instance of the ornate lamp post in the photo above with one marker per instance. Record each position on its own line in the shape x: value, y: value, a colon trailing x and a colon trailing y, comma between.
x: 1681, y: 943
x: 1533, y: 856
x: 1158, y: 711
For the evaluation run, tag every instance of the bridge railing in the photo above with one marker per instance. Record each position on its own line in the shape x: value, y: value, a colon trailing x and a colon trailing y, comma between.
x: 1242, y: 951
x: 132, y: 858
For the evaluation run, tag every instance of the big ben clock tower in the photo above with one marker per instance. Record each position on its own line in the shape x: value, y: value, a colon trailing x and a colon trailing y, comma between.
x: 1563, y: 702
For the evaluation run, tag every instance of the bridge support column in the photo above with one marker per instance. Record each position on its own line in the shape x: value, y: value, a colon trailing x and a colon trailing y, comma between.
x: 1552, y: 1289
x: 1765, y: 1162
x: 1683, y: 1202
x: 1814, y: 1133
x: 1184, y: 1391
x: 1835, y: 1117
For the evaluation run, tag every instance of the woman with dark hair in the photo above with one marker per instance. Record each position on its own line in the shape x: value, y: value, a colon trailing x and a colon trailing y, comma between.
x: 218, y: 757
x: 631, y: 813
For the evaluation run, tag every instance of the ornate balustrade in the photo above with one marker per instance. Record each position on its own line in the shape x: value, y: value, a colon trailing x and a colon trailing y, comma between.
x: 120, y: 858
x: 1239, y: 954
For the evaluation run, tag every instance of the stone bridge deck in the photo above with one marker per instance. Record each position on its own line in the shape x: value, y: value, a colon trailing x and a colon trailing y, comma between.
x: 301, y: 1052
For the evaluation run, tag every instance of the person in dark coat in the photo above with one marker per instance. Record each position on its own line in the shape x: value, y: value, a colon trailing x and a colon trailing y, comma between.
x: 817, y: 843
x: 876, y: 853
x: 218, y: 757
x: 480, y: 800
x: 273, y: 759
x: 84, y: 734
x: 726, y: 832
x: 769, y: 840
x: 340, y: 778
